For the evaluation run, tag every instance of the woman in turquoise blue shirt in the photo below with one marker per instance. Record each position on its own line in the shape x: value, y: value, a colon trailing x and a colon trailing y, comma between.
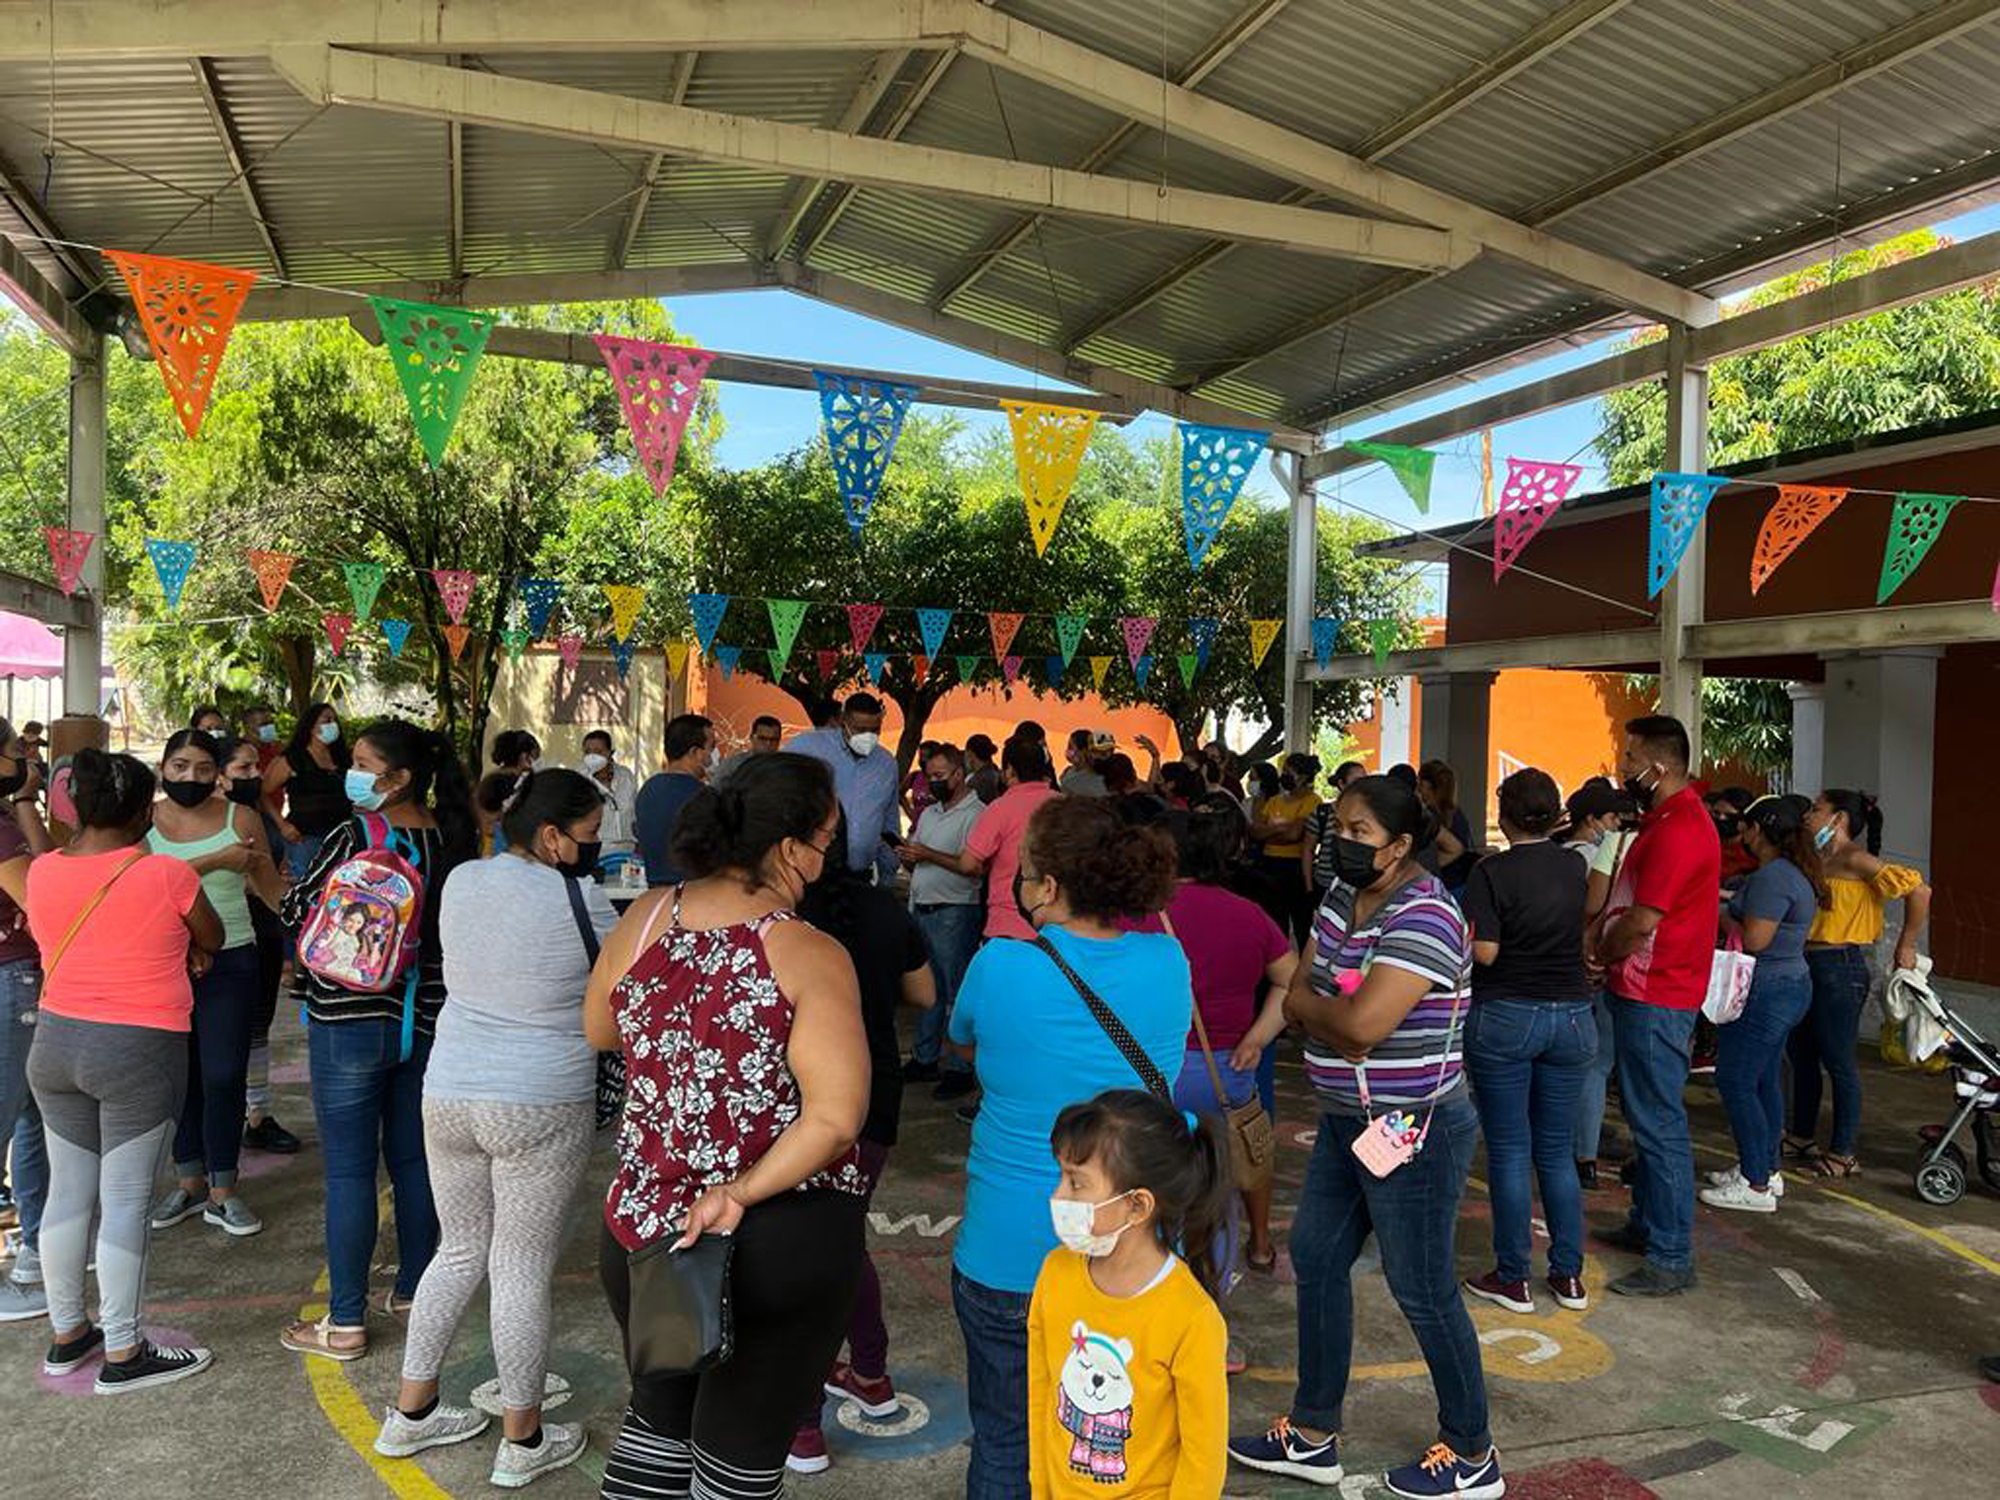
x: 1037, y: 1048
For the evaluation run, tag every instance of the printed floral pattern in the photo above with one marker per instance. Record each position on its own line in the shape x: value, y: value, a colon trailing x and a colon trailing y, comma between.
x: 708, y: 1090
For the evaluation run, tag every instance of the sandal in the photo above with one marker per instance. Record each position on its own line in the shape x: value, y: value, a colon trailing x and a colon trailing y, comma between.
x: 1800, y: 1147
x: 325, y: 1338
x: 1262, y: 1265
x: 1826, y: 1164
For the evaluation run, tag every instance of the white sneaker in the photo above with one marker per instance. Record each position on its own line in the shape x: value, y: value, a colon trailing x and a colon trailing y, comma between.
x: 402, y: 1437
x: 1735, y: 1174
x: 27, y: 1267
x: 20, y: 1303
x: 1740, y: 1195
x: 515, y: 1466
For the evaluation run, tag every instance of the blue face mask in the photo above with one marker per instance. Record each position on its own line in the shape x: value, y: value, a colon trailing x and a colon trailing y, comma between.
x: 329, y: 732
x: 361, y: 790
x: 1824, y: 836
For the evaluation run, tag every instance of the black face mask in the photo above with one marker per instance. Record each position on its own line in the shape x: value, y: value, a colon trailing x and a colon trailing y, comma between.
x: 1020, y: 906
x: 1354, y: 863
x: 1641, y: 793
x: 245, y: 790
x: 585, y: 863
x: 940, y: 791
x: 188, y: 793
x: 18, y: 778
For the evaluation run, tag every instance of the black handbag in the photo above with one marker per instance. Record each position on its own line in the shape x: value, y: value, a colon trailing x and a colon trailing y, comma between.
x: 678, y: 1320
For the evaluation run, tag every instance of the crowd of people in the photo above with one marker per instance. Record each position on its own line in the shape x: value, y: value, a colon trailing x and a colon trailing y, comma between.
x: 1099, y: 965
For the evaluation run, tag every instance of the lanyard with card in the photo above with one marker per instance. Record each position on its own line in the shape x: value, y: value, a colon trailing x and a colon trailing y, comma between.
x: 1391, y: 1139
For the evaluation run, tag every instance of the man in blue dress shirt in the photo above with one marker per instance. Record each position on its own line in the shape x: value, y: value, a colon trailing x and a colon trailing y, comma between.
x: 865, y: 779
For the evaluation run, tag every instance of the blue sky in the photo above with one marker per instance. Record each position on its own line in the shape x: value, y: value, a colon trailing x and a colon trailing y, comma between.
x: 762, y: 421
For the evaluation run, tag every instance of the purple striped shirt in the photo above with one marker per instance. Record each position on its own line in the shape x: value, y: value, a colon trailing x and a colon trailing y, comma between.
x: 1418, y: 928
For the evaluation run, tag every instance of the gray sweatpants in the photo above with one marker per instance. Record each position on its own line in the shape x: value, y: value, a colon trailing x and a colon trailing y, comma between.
x: 109, y: 1097
x: 502, y: 1176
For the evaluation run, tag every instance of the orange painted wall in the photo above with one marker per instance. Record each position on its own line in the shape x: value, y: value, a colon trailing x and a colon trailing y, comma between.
x: 733, y: 703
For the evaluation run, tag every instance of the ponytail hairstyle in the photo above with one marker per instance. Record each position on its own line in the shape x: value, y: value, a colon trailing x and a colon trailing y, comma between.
x: 1139, y: 1141
x: 535, y: 798
x: 1781, y: 822
x: 1394, y: 803
x: 110, y: 791
x: 767, y: 799
x: 437, y: 779
x: 1443, y: 782
x: 1863, y: 815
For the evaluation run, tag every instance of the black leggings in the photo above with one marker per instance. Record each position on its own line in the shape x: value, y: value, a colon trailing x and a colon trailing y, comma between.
x: 792, y: 1282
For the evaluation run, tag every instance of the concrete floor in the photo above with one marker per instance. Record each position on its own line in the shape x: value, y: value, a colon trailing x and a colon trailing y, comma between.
x: 1829, y: 1350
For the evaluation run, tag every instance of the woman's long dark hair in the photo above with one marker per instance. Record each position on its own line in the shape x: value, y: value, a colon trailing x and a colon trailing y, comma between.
x: 437, y: 779
x: 299, y: 744
x: 1863, y: 815
x: 1140, y: 1141
x: 1782, y: 823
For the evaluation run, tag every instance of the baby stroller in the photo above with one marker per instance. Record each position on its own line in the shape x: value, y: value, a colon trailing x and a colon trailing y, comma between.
x: 1930, y: 1027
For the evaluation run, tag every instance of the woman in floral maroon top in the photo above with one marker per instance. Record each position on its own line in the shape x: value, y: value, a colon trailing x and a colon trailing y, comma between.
x: 747, y: 1081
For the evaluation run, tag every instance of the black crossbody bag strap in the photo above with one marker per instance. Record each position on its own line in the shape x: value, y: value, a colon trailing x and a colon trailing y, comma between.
x: 1114, y: 1028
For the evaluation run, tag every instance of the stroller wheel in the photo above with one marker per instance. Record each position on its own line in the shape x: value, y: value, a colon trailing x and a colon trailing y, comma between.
x: 1941, y: 1182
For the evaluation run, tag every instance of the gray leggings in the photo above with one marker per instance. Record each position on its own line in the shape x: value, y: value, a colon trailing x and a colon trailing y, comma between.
x: 109, y: 1097
x: 502, y: 1175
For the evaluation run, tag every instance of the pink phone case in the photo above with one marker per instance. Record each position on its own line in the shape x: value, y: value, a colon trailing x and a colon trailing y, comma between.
x: 1388, y: 1142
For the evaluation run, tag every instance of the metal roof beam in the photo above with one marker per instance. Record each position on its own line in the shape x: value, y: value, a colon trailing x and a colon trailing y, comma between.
x: 1134, y: 393
x: 37, y: 296
x: 874, y: 84
x: 1943, y: 270
x: 1245, y: 24
x: 1562, y: 27
x: 649, y: 179
x: 842, y: 195
x: 269, y: 303
x: 1893, y: 47
x: 232, y: 150
x: 44, y: 602
x: 553, y: 347
x: 333, y: 75
x: 21, y: 198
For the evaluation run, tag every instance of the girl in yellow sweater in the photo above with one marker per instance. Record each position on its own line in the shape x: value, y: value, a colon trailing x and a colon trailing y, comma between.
x: 1127, y: 1394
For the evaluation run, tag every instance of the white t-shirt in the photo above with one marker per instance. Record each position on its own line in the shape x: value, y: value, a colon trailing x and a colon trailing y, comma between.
x: 615, y: 832
x: 946, y: 829
x: 515, y: 968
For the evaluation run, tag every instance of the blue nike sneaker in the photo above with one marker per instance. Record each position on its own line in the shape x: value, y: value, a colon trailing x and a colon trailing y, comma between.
x: 1285, y: 1450
x: 1442, y: 1475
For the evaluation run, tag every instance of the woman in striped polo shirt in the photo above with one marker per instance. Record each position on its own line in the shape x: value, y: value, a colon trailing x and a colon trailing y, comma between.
x: 1383, y: 1005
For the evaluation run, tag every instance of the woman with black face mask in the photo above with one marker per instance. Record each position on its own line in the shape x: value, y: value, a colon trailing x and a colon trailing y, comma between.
x: 223, y: 842
x: 508, y: 1116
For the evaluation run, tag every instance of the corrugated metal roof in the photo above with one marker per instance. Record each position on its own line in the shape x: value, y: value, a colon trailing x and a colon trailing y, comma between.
x: 356, y: 196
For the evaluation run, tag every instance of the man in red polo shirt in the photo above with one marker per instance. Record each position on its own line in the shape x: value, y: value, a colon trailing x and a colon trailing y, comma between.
x: 1655, y: 943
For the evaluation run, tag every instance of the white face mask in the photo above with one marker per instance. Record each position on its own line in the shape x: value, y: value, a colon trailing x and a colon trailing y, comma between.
x: 1075, y: 1226
x: 594, y: 762
x: 714, y: 757
x: 864, y: 743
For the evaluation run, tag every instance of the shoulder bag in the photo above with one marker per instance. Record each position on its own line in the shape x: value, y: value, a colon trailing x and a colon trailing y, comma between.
x: 1252, y: 1142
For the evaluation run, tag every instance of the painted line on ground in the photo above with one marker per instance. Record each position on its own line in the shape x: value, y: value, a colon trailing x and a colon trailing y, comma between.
x: 1937, y: 1237
x: 1800, y: 1288
x: 1675, y: 1461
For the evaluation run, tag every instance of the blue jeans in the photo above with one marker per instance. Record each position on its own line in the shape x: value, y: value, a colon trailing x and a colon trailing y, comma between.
x: 226, y: 998
x: 1195, y: 1090
x: 1413, y: 1213
x: 1749, y: 1063
x: 1528, y: 1062
x: 1589, y: 1133
x: 1825, y: 1038
x: 995, y: 1325
x: 951, y: 933
x: 20, y: 995
x: 1653, y: 1045
x: 365, y: 1102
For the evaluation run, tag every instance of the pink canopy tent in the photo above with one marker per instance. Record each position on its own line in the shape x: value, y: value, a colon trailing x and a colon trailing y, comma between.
x: 28, y: 648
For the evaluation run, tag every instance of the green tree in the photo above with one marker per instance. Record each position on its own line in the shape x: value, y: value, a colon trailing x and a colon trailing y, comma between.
x: 1910, y: 365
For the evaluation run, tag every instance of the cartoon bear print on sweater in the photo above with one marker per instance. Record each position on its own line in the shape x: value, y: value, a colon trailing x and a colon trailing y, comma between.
x: 1095, y: 1404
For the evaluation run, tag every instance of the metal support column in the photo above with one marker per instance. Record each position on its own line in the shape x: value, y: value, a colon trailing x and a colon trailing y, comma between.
x: 83, y: 646
x: 1682, y: 601
x: 1301, y: 593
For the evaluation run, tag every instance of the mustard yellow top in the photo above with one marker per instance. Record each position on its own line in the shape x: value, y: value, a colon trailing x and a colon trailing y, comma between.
x: 1287, y: 807
x: 1856, y: 913
x: 1127, y: 1396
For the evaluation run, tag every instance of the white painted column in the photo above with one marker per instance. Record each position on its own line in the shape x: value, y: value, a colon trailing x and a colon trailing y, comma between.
x: 1881, y: 720
x: 83, y: 647
x: 1808, y: 773
x: 1456, y: 729
x: 1682, y: 601
x: 1301, y: 594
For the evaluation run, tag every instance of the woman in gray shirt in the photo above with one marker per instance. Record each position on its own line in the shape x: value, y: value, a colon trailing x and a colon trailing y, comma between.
x: 507, y: 1116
